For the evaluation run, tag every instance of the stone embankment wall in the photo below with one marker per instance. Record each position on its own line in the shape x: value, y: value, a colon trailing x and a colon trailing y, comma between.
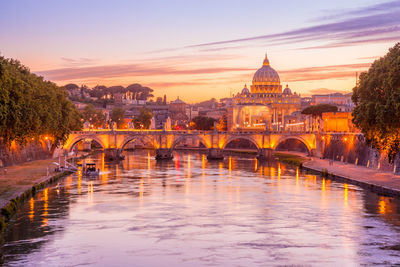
x: 352, y: 149
x: 19, y: 154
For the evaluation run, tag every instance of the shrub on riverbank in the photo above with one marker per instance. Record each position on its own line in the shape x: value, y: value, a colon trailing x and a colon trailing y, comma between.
x: 290, y: 159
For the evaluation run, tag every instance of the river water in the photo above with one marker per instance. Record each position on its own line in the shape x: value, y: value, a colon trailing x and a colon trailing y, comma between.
x: 192, y: 212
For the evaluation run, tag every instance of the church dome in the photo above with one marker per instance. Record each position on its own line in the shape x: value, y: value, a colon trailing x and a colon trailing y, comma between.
x: 287, y: 91
x: 245, y: 91
x: 266, y: 75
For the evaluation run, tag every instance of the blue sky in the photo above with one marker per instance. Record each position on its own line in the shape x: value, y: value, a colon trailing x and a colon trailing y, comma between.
x: 199, y: 49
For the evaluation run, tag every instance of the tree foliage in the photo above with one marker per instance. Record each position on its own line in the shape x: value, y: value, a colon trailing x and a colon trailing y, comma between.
x: 117, y: 116
x: 95, y: 117
x: 203, y: 123
x: 317, y: 110
x: 223, y: 123
x: 31, y: 107
x: 143, y: 121
x: 377, y: 100
x: 138, y: 91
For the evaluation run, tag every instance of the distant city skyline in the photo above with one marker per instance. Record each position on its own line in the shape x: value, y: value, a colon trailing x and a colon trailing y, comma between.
x: 199, y: 49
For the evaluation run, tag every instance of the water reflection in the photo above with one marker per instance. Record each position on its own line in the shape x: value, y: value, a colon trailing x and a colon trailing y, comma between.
x: 191, y: 211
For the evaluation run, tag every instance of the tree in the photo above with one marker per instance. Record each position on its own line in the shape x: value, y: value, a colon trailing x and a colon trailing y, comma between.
x: 95, y: 117
x: 143, y: 121
x: 317, y: 110
x: 31, y: 107
x: 203, y: 123
x: 117, y: 116
x: 377, y: 100
x: 71, y: 86
x: 223, y: 123
x: 140, y: 92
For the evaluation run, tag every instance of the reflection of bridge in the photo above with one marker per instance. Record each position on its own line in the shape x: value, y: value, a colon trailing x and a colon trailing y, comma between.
x: 114, y: 142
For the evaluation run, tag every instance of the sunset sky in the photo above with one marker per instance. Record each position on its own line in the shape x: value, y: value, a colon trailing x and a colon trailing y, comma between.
x: 199, y: 49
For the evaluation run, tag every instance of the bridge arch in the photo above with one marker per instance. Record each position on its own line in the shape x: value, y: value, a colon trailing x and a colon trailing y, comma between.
x: 79, y: 138
x: 233, y: 138
x: 298, y: 138
x: 184, y: 137
x: 141, y: 138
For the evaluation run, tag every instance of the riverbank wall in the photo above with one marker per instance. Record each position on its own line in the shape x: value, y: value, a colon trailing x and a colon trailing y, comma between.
x: 8, y: 210
x: 17, y: 154
x: 380, y: 182
x: 352, y: 149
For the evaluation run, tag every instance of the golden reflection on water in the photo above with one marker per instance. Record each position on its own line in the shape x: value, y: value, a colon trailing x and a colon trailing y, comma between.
x: 321, y: 192
x: 68, y: 183
x: 90, y: 191
x: 279, y: 171
x: 382, y: 206
x: 272, y: 172
x: 31, y: 208
x: 79, y: 182
x: 346, y: 195
x: 220, y: 166
x: 45, y: 206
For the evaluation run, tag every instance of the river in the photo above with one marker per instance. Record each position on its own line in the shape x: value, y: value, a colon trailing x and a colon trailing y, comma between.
x: 194, y: 212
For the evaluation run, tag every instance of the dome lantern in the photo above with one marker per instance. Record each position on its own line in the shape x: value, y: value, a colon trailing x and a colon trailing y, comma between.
x: 266, y: 60
x: 266, y: 79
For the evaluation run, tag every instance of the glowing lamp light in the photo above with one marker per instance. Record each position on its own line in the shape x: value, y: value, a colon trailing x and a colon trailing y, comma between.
x: 46, y: 138
x: 345, y: 139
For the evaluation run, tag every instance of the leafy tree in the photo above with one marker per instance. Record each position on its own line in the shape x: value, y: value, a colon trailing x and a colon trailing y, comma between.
x: 32, y: 108
x: 203, y: 123
x: 143, y: 121
x: 140, y: 92
x: 95, y: 117
x: 377, y: 100
x: 317, y: 110
x: 71, y: 86
x: 117, y: 115
x: 98, y: 91
x: 223, y: 123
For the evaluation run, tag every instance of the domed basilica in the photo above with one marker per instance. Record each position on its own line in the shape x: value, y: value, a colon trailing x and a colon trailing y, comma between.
x: 264, y: 105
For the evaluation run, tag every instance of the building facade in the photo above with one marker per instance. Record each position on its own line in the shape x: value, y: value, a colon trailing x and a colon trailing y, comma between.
x: 266, y: 98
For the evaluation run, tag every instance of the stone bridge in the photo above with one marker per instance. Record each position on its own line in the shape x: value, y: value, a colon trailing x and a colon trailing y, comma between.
x: 164, y: 142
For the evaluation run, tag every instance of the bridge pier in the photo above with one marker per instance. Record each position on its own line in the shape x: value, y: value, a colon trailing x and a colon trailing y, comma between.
x: 111, y: 154
x: 164, y: 154
x: 215, y: 154
x: 264, y: 154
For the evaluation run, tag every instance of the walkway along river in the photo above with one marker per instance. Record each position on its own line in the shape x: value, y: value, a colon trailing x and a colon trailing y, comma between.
x: 194, y: 212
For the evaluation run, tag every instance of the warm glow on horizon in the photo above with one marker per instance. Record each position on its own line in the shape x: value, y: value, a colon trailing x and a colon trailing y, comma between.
x: 204, y: 57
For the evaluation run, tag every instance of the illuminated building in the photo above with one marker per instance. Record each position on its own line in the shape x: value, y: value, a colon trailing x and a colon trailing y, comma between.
x: 342, y: 101
x: 338, y: 122
x: 177, y: 111
x: 266, y: 91
x: 248, y: 117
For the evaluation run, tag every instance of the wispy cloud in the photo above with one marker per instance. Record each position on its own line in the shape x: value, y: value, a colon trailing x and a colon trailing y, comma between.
x: 83, y: 61
x: 124, y: 70
x: 323, y: 72
x: 375, y: 23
